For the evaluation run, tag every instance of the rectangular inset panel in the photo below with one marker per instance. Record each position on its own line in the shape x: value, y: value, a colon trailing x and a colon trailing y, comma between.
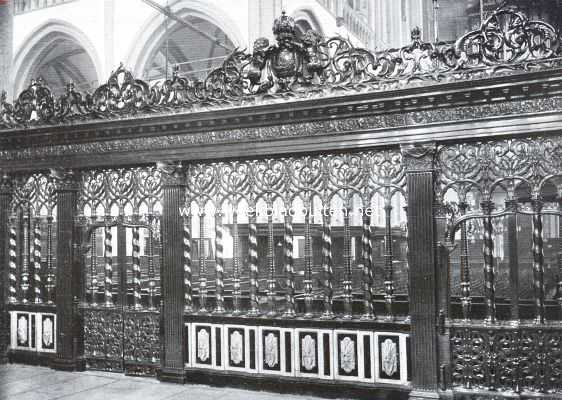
x: 217, y: 340
x: 391, y: 358
x: 236, y: 347
x: 186, y: 345
x: 275, y: 351
x: 46, y: 333
x: 202, y: 349
x: 21, y: 331
x: 310, y: 358
x: 353, y: 355
x: 253, y: 348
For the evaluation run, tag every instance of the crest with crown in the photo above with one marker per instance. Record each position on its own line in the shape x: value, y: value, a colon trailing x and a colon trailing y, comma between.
x: 284, y: 27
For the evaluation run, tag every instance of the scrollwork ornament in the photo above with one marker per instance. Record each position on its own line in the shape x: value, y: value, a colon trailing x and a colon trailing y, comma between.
x: 173, y: 174
x: 65, y: 179
x: 419, y: 157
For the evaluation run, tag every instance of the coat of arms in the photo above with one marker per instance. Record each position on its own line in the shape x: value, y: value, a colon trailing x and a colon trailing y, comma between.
x: 389, y: 357
x: 203, y: 345
x: 308, y: 352
x: 271, y: 356
x: 236, y: 347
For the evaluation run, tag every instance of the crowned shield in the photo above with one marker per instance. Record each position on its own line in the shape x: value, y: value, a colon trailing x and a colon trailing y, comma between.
x: 203, y: 345
x: 271, y: 356
x: 308, y: 350
x: 389, y: 356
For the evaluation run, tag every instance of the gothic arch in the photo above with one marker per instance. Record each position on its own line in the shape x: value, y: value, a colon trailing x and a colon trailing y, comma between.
x: 305, y: 17
x: 152, y: 33
x: 30, y: 57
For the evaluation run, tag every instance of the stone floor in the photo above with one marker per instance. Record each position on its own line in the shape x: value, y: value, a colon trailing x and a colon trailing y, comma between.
x: 21, y: 382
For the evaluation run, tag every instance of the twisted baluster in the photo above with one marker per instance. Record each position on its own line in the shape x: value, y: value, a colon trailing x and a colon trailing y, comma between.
x: 290, y: 311
x: 236, y: 267
x: 137, y: 303
x: 151, y: 272
x: 12, y: 254
x: 253, y: 261
x: 187, y: 273
x: 37, y: 283
x: 538, y: 262
x: 271, y: 283
x: 489, y: 278
x: 465, y: 268
x: 24, y: 284
x: 219, y: 265
x: 560, y: 260
x: 327, y: 266
x: 367, y: 269
x: 94, y: 267
x: 347, y: 283
x: 389, y: 268
x: 202, y: 266
x: 108, y: 249
x: 50, y: 286
x: 308, y: 296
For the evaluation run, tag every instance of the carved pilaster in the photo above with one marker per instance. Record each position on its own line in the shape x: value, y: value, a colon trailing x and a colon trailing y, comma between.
x: 172, y: 272
x: 419, y: 161
x: 5, y: 198
x: 68, y: 271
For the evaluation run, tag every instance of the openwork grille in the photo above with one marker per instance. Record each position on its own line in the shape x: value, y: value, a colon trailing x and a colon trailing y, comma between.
x: 32, y: 240
x: 506, y: 197
x: 119, y: 211
x: 297, y: 235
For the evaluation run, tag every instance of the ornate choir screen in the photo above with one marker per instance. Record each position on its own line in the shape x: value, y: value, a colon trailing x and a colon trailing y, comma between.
x: 119, y: 212
x: 283, y: 243
x: 503, y: 200
x: 32, y: 264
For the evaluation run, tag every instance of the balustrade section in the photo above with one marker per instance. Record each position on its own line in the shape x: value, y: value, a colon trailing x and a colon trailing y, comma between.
x: 503, y: 203
x: 32, y: 241
x: 315, y: 236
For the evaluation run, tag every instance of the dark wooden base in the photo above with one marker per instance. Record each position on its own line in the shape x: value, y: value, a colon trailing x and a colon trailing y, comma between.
x: 30, y: 358
x: 171, y: 375
x: 295, y: 386
x: 423, y: 395
x: 61, y: 364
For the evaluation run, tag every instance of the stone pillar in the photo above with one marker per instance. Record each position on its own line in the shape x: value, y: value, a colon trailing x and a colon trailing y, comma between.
x: 5, y: 198
x: 6, y: 44
x: 172, y: 358
x: 68, y: 273
x: 419, y: 161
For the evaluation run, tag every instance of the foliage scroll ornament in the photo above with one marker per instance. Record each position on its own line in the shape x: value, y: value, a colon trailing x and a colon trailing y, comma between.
x: 311, y: 65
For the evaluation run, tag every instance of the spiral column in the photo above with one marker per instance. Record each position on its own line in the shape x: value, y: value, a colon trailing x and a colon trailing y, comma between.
x: 202, y: 266
x: 347, y: 283
x: 366, y: 251
x: 271, y: 282
x: 93, y: 266
x: 538, y: 263
x: 50, y: 286
x: 219, y: 265
x: 37, y: 282
x: 465, y: 268
x: 253, y: 261
x: 12, y: 263
x: 236, y: 293
x: 108, y: 269
x: 24, y: 282
x: 137, y: 301
x: 290, y: 310
x: 327, y: 266
x: 308, y: 296
x: 187, y: 272
x: 489, y: 276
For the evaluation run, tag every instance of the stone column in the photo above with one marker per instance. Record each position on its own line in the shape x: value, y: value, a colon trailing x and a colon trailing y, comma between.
x: 5, y: 198
x: 6, y: 44
x: 172, y: 273
x: 419, y: 161
x: 68, y: 272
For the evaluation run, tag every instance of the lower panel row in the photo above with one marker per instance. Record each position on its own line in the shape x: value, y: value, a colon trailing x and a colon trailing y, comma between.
x: 346, y: 355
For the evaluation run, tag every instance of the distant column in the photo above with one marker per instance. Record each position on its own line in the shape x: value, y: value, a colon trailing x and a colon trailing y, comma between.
x: 6, y: 42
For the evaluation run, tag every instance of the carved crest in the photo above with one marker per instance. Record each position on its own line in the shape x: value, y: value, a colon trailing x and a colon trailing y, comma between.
x: 203, y: 345
x: 389, y: 357
x: 236, y: 347
x: 271, y: 354
x: 308, y: 352
x: 347, y: 354
x: 47, y: 332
